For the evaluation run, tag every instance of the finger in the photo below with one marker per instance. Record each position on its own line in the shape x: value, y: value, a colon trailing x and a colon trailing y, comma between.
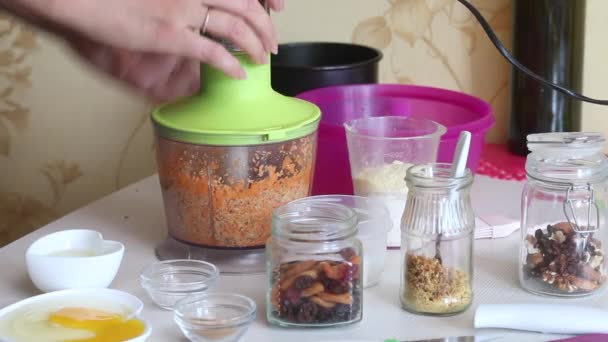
x: 225, y: 25
x: 276, y: 5
x: 151, y: 70
x: 179, y: 83
x: 124, y: 61
x: 174, y: 85
x: 163, y: 37
x: 98, y: 55
x: 254, y: 14
x: 194, y: 68
x: 188, y: 13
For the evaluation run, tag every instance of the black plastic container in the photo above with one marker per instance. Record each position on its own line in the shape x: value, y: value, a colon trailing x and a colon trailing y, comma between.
x: 309, y: 65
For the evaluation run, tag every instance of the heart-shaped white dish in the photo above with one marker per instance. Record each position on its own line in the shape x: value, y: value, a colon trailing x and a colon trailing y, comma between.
x: 76, y: 258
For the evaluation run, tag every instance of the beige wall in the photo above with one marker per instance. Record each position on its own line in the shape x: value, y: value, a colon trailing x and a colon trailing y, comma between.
x: 595, y: 84
x: 433, y: 42
x: 488, y: 80
x: 69, y: 136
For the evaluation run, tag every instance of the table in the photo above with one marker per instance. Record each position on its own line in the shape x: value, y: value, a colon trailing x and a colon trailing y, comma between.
x: 135, y: 216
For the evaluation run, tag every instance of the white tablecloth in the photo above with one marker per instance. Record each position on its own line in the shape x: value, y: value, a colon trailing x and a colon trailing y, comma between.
x: 135, y: 217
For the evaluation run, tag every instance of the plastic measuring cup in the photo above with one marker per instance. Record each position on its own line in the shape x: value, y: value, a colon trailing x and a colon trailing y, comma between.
x: 380, y: 150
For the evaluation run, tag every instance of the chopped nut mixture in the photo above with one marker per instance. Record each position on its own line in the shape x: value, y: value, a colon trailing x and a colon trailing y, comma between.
x: 433, y: 288
x: 317, y: 292
x: 565, y: 260
x: 224, y: 196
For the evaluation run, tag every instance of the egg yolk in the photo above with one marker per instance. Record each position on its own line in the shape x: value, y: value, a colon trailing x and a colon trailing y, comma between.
x: 107, y: 326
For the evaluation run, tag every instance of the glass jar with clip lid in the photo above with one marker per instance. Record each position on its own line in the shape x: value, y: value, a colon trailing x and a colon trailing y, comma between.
x: 563, y: 215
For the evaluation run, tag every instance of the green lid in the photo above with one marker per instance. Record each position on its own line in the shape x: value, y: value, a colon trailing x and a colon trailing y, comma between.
x: 232, y: 112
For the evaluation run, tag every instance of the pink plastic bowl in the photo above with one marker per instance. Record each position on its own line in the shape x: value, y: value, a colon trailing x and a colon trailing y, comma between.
x: 456, y: 111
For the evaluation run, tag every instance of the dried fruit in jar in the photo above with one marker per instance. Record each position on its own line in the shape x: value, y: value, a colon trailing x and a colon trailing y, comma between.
x: 320, y: 292
x: 220, y: 196
x: 565, y: 260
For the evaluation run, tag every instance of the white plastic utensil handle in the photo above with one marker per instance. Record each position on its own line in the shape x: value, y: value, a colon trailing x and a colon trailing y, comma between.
x: 461, y: 154
x: 544, y: 318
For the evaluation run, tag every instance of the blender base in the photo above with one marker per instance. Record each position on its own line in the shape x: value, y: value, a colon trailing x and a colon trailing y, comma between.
x: 228, y: 261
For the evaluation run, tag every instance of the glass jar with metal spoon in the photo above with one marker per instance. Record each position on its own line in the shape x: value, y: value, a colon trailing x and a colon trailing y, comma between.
x: 437, y: 238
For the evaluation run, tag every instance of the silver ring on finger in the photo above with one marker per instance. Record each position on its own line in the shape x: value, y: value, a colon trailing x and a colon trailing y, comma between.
x: 206, y: 22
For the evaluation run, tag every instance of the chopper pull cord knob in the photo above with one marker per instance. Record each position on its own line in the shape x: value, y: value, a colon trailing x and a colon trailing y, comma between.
x: 507, y: 55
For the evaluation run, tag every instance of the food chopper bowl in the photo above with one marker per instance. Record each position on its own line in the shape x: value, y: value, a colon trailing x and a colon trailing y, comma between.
x: 223, y: 196
x: 227, y: 157
x: 223, y: 317
x: 454, y: 110
x: 220, y: 198
x: 167, y: 282
x: 322, y: 64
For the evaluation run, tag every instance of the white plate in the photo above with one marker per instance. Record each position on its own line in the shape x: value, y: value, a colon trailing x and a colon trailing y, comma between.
x: 93, y: 297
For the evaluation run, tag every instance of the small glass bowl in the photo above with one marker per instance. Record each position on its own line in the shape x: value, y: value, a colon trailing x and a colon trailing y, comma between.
x: 167, y: 282
x: 218, y: 317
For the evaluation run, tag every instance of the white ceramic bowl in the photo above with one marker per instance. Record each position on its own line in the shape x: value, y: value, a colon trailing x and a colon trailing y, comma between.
x: 69, y: 259
x: 96, y: 298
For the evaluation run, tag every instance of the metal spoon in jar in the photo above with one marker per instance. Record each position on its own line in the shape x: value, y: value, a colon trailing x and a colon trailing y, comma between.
x: 459, y: 164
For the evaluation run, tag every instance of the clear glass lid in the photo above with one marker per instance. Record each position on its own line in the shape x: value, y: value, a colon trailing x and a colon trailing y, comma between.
x: 567, y: 157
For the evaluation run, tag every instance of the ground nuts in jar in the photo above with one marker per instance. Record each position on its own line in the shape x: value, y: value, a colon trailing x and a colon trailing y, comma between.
x: 558, y: 257
x: 432, y: 288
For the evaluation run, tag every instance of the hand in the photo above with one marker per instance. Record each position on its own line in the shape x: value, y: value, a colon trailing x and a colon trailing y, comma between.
x: 159, y: 77
x: 154, y: 45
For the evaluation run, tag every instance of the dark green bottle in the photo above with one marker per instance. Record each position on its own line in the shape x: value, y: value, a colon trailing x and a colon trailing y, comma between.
x: 548, y: 38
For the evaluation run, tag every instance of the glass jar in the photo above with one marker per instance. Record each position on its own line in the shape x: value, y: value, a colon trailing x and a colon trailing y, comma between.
x: 437, y: 241
x: 563, y: 213
x: 314, y: 268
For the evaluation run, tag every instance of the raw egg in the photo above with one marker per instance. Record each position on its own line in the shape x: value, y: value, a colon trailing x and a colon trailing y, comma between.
x: 72, y: 324
x: 106, y: 326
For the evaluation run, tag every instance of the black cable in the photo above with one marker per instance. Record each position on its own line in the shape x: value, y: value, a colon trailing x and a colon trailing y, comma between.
x: 505, y: 53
